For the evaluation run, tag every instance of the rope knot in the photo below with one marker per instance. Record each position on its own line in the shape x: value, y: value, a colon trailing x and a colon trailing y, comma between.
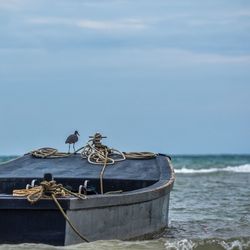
x: 46, y: 189
x: 50, y: 187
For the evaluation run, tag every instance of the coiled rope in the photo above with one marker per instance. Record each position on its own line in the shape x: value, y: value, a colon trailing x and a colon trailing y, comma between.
x: 97, y: 154
x: 51, y: 189
x: 139, y: 155
x: 48, y: 153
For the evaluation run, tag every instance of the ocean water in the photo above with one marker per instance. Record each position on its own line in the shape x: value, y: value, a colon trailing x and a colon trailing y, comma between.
x: 209, y: 208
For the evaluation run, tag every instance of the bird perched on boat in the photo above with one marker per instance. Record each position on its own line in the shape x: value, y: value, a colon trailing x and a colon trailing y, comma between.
x: 72, y: 139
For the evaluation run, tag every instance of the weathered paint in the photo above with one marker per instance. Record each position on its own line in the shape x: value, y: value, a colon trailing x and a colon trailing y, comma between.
x: 119, y: 222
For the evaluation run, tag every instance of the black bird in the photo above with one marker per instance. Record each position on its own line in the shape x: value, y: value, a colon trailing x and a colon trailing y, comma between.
x: 72, y: 139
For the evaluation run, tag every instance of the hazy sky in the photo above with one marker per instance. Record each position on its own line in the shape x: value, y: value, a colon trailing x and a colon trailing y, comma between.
x: 165, y: 76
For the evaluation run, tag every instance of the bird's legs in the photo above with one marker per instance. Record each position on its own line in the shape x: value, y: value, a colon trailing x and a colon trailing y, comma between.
x: 69, y: 149
x: 74, y: 148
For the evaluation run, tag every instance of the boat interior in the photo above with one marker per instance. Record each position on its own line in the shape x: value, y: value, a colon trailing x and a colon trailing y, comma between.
x: 78, y: 185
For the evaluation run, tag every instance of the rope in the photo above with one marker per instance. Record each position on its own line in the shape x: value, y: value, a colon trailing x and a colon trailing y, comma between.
x: 103, y: 169
x: 44, y: 190
x: 101, y: 156
x: 48, y: 153
x: 139, y: 155
x: 32, y: 192
x: 67, y: 218
x: 54, y: 190
x: 95, y: 154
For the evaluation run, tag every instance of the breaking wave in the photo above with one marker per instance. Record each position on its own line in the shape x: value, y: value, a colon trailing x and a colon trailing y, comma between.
x: 231, y: 244
x: 237, y: 169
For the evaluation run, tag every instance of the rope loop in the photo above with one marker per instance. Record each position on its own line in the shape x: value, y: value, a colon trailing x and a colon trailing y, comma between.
x: 97, y: 153
x: 45, y: 190
x: 48, y: 153
x: 50, y: 189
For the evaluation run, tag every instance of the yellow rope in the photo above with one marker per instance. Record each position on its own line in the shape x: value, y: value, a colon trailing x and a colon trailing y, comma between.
x: 48, y: 153
x: 96, y: 153
x: 103, y: 169
x: 67, y: 218
x: 26, y: 192
x: 139, y: 155
x: 44, y: 190
x: 50, y: 189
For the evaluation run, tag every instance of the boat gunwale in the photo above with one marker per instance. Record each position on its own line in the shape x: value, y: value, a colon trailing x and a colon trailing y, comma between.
x: 152, y: 192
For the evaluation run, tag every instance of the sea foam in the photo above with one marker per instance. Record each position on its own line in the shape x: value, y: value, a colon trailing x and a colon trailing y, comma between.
x: 237, y: 169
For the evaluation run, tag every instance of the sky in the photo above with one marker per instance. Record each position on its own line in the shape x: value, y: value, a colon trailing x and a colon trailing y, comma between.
x: 164, y: 76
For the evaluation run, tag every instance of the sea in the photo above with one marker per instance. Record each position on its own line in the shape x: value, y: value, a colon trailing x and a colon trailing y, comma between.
x: 209, y: 208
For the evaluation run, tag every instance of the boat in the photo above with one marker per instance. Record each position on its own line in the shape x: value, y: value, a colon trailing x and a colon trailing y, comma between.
x: 130, y: 200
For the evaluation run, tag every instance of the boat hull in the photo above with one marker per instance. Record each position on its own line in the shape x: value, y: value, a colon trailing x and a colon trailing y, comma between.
x: 134, y: 214
x: 139, y: 219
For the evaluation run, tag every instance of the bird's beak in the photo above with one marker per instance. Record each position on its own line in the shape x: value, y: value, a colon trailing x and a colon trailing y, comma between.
x: 78, y: 133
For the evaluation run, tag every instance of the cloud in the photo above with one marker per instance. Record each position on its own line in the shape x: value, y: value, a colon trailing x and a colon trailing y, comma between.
x: 122, y: 24
x: 111, y: 25
x: 12, y: 4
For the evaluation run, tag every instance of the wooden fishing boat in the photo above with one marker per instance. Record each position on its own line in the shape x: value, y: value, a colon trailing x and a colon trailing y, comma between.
x: 138, y: 211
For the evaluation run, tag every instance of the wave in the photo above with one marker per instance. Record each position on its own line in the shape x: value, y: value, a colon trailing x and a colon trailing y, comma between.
x: 162, y: 243
x: 231, y: 244
x: 236, y: 169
